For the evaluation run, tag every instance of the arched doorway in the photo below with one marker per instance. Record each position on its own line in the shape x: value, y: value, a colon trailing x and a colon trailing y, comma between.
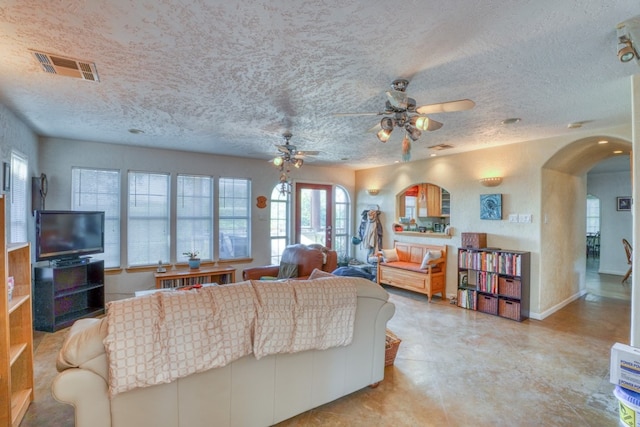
x: 563, y: 219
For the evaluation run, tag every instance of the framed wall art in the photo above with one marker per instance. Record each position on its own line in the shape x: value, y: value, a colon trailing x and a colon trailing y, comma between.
x: 623, y: 203
x: 491, y: 206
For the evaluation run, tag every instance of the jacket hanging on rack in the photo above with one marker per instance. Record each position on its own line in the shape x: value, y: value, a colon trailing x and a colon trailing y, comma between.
x: 370, y: 231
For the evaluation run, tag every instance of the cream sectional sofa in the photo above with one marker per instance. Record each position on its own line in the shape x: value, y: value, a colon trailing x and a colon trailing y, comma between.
x: 246, y: 392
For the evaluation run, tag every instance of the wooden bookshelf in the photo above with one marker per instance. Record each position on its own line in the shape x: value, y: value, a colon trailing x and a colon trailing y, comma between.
x: 16, y: 338
x: 193, y: 276
x: 494, y: 281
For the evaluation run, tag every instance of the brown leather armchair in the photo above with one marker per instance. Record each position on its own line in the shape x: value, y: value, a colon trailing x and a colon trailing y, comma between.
x: 306, y: 257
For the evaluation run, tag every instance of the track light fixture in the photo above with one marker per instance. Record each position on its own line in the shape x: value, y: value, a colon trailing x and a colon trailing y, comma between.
x: 626, y: 53
x: 627, y: 31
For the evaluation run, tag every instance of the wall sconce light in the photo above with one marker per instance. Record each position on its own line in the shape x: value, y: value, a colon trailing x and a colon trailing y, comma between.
x: 493, y: 181
x: 373, y: 191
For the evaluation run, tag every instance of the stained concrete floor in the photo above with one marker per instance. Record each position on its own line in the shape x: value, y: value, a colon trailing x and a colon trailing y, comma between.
x: 457, y: 367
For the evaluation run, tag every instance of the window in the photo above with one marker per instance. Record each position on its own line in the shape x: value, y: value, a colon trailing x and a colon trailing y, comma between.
x: 194, y: 216
x: 18, y: 198
x: 148, y: 218
x: 593, y: 214
x: 342, y: 222
x: 99, y: 190
x: 279, y: 222
x: 234, y: 220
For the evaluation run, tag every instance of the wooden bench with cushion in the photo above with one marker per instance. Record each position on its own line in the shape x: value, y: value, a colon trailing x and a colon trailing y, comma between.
x: 416, y: 267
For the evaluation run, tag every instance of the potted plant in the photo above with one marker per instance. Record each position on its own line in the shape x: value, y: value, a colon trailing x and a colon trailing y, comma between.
x: 343, y: 260
x: 194, y: 261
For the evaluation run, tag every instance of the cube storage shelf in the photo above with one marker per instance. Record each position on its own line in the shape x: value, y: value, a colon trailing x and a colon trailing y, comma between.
x: 64, y: 294
x: 494, y: 281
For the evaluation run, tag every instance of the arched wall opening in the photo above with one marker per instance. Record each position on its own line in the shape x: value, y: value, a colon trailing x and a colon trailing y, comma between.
x: 563, y: 219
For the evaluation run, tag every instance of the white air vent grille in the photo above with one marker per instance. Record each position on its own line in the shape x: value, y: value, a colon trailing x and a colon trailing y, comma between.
x: 441, y: 147
x: 69, y: 67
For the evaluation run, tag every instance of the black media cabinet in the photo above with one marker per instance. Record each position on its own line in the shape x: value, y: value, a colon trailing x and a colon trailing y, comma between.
x: 65, y: 293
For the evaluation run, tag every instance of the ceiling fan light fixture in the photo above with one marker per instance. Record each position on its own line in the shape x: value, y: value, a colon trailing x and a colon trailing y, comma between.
x: 413, y: 133
x: 278, y: 161
x: 297, y: 163
x: 386, y: 123
x: 420, y: 122
x: 384, y: 134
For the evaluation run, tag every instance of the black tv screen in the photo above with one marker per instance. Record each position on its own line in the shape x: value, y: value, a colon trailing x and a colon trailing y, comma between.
x: 68, y: 234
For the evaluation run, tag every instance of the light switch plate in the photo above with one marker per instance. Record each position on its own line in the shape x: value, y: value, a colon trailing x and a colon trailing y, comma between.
x: 524, y: 217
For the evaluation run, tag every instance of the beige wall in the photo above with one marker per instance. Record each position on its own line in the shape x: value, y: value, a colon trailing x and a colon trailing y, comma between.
x: 558, y: 277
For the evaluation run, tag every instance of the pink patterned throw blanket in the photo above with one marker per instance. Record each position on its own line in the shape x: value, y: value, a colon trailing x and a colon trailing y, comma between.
x: 158, y: 338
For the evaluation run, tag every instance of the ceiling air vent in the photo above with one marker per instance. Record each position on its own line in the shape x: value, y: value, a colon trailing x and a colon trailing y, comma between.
x: 441, y: 147
x: 69, y: 67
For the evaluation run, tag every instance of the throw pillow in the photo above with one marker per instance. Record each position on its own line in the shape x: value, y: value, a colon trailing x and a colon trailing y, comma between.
x: 390, y: 255
x: 287, y: 270
x: 316, y: 273
x: 430, y: 255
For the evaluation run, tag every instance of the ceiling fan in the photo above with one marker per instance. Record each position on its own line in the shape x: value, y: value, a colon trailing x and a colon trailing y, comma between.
x: 401, y: 112
x: 290, y: 153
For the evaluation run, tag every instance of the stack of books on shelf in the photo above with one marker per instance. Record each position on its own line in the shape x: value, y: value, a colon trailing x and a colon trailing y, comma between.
x: 495, y: 262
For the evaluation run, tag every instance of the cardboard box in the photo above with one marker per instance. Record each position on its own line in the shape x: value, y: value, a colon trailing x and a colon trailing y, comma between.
x: 625, y: 367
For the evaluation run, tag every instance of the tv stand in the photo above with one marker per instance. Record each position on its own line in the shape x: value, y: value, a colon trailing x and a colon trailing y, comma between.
x: 65, y: 262
x: 65, y: 293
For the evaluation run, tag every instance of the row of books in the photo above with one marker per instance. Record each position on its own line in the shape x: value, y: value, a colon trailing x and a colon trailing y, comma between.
x: 186, y: 281
x: 495, y: 262
x: 467, y: 299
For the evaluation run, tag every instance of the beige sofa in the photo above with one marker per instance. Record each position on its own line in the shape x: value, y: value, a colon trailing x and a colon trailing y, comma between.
x: 246, y: 392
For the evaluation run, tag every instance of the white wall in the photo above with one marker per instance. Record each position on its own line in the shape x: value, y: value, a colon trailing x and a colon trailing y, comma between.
x: 16, y: 136
x: 614, y: 225
x: 58, y: 156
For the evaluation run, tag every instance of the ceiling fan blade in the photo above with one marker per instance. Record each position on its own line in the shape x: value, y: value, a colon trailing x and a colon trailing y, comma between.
x: 306, y: 153
x: 446, y: 107
x: 359, y: 114
x: 288, y: 148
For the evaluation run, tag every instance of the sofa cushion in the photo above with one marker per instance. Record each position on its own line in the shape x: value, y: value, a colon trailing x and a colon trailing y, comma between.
x: 412, y: 266
x: 83, y: 343
x: 390, y: 255
x: 317, y: 273
x: 429, y: 256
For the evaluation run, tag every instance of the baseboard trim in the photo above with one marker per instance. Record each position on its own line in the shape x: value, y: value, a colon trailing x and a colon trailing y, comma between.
x: 549, y: 312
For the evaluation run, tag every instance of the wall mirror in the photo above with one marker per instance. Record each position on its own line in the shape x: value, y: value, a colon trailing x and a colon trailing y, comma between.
x: 423, y: 207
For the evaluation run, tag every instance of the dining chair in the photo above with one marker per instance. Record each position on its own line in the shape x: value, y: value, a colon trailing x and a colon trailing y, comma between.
x: 629, y: 251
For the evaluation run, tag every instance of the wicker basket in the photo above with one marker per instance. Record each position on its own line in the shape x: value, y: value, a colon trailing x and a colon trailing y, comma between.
x: 487, y: 304
x: 509, y: 287
x: 509, y: 309
x: 392, y: 343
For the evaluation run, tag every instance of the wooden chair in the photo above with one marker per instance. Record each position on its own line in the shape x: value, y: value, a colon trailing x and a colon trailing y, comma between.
x: 629, y: 251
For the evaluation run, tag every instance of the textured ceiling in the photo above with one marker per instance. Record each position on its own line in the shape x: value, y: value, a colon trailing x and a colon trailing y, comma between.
x: 229, y: 77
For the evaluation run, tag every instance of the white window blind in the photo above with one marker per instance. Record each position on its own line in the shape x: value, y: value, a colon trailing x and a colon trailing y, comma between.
x: 341, y: 241
x: 99, y: 190
x: 194, y: 216
x: 234, y: 217
x: 18, y: 198
x: 148, y: 218
x: 280, y: 223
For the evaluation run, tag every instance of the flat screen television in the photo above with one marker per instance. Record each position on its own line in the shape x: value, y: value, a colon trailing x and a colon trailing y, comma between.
x: 68, y: 234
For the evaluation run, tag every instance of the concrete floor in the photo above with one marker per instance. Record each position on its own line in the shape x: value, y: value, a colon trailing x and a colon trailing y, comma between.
x: 457, y: 367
